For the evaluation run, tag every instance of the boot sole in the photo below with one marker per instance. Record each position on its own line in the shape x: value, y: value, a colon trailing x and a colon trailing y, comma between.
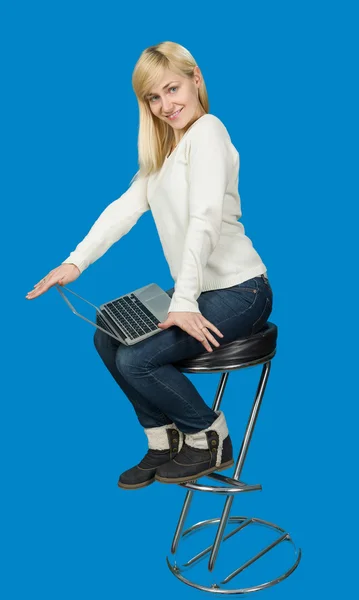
x: 134, y: 486
x: 194, y: 477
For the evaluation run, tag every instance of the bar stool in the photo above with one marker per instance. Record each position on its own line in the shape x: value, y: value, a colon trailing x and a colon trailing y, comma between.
x: 258, y: 349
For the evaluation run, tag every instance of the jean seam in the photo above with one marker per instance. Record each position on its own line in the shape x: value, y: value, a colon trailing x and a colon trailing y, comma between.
x: 167, y: 348
x: 267, y: 303
x: 189, y: 406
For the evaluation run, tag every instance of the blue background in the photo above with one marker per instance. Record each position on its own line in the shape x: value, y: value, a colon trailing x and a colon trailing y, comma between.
x: 282, y: 77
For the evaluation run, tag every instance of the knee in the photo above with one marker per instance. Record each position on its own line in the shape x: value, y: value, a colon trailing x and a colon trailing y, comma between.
x: 128, y: 361
x: 122, y: 358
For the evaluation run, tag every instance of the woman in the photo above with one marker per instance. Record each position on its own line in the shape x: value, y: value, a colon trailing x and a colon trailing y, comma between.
x: 188, y: 178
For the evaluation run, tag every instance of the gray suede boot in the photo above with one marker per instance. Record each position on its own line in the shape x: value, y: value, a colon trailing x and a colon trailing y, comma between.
x: 164, y: 443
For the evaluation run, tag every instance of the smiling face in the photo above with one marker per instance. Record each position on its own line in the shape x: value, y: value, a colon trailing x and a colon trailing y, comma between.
x: 175, y: 100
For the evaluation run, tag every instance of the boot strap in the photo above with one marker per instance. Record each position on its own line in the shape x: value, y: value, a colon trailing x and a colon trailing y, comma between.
x: 173, y: 442
x: 213, y: 443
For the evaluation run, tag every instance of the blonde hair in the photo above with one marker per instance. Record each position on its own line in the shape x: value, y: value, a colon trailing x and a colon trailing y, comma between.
x: 155, y: 137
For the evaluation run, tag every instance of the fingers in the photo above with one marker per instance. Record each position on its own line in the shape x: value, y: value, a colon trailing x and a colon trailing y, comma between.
x: 206, y: 335
x: 202, y: 334
x: 42, y: 287
x: 41, y: 280
x: 198, y: 327
x: 210, y: 337
x: 61, y: 275
x: 213, y: 327
x: 198, y: 335
x: 204, y: 325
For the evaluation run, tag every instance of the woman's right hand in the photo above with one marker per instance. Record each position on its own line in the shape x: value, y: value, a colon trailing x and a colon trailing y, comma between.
x: 63, y: 274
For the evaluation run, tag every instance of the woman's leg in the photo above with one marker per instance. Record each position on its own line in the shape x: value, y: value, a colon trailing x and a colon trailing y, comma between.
x: 148, y: 414
x: 148, y: 366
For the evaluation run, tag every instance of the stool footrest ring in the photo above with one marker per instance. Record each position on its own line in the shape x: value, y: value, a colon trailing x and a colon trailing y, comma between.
x: 235, y: 486
x: 221, y: 587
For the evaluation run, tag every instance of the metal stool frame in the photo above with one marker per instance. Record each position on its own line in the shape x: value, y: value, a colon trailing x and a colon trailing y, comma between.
x: 232, y: 486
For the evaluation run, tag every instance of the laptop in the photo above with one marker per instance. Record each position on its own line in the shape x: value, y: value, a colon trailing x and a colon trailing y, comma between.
x: 130, y: 318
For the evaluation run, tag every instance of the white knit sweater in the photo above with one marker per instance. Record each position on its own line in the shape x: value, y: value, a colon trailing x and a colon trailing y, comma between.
x: 195, y: 204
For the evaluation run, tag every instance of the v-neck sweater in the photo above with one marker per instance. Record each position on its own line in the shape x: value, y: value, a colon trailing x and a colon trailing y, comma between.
x: 196, y: 205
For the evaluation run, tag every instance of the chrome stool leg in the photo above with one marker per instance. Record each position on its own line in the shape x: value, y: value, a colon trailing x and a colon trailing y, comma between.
x: 233, y: 486
x: 188, y: 498
x: 240, y: 462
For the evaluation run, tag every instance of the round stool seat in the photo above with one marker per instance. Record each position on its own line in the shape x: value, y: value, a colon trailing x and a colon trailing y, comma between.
x: 242, y: 352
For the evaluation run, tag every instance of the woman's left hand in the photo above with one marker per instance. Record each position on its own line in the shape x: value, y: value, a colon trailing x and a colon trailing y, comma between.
x: 195, y: 324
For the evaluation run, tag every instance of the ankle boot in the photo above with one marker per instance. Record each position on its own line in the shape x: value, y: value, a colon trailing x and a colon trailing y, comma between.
x: 164, y: 443
x: 202, y: 453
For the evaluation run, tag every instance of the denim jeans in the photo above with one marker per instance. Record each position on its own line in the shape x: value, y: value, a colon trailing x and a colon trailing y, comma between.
x: 159, y: 392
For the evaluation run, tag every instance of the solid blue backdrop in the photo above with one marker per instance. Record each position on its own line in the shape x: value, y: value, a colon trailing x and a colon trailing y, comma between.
x: 281, y: 77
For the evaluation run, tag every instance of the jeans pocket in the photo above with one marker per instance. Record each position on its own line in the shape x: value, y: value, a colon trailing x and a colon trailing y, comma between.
x: 240, y: 297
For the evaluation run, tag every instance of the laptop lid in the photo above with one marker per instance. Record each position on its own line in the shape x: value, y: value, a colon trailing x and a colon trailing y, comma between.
x: 103, y: 323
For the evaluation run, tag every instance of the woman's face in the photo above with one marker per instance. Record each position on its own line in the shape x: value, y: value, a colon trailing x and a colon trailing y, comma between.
x: 176, y: 93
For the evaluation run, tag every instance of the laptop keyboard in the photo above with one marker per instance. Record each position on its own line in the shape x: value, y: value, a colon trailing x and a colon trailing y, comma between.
x: 132, y: 316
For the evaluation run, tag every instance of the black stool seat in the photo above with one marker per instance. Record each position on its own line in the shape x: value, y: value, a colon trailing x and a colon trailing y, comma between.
x: 242, y: 352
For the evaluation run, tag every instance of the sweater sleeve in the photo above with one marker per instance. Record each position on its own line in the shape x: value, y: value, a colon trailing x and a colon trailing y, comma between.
x: 210, y: 169
x: 114, y: 222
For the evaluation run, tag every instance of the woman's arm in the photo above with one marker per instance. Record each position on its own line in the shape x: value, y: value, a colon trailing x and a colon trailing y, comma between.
x: 211, y: 165
x: 114, y: 222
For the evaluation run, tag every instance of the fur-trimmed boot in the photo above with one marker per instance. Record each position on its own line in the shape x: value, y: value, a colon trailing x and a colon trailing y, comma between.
x: 202, y: 453
x: 164, y: 443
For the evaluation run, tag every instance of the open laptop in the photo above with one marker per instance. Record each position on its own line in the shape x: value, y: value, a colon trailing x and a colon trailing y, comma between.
x: 130, y: 318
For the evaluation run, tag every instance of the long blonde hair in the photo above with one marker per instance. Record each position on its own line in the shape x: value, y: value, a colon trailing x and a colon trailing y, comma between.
x: 155, y: 137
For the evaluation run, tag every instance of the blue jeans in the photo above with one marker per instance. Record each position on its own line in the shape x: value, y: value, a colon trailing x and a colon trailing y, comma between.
x: 159, y: 392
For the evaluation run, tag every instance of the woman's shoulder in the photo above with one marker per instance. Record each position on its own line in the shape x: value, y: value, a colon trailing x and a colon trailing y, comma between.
x: 210, y: 132
x: 209, y: 123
